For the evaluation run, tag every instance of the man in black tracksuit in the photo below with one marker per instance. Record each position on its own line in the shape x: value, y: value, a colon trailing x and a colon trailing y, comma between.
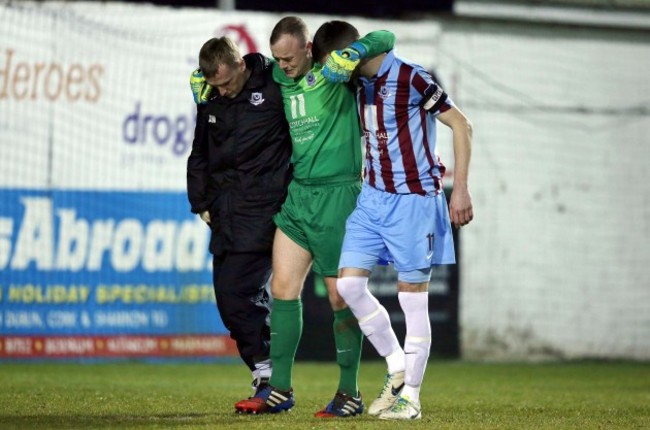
x: 237, y: 177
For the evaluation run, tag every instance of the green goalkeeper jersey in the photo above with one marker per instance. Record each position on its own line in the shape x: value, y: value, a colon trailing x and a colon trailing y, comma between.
x: 323, y: 119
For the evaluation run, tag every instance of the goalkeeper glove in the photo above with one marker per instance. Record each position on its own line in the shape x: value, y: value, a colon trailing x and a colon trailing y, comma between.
x: 340, y: 64
x: 200, y: 88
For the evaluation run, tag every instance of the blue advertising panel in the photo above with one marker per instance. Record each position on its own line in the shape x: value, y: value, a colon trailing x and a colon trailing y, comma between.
x: 93, y: 266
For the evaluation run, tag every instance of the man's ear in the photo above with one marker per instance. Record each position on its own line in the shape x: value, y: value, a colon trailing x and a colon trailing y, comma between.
x: 308, y: 46
x: 242, y: 65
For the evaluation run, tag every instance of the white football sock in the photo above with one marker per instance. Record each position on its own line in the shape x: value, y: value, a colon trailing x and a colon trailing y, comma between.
x: 395, y: 361
x: 372, y: 316
x: 418, y: 340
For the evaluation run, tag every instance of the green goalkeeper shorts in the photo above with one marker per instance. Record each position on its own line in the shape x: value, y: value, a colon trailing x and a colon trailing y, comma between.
x: 314, y: 215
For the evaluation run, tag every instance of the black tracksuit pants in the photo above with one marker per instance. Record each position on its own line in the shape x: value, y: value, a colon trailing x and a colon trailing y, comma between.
x: 243, y: 302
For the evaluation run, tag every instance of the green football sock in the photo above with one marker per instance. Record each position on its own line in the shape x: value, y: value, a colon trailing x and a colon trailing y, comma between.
x: 348, y: 339
x: 286, y: 329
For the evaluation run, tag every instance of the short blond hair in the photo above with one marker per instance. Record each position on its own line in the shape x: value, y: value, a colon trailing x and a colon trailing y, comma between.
x: 216, y: 52
x: 292, y: 25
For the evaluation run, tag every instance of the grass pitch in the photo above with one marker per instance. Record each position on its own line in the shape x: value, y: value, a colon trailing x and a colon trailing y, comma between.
x: 455, y: 395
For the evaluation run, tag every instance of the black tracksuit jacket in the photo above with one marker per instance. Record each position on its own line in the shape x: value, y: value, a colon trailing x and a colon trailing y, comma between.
x: 239, y: 167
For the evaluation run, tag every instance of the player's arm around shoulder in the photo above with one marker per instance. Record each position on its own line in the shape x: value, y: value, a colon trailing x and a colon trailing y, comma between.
x: 461, y: 210
x: 375, y: 43
x: 341, y: 63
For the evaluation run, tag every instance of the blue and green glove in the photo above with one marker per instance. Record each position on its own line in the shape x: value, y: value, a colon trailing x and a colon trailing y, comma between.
x: 340, y: 64
x: 200, y: 88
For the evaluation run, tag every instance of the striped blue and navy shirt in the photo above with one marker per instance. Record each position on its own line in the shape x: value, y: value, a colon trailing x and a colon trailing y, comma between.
x: 398, y: 109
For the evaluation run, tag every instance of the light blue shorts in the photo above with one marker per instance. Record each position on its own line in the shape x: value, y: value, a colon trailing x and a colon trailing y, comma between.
x: 409, y: 230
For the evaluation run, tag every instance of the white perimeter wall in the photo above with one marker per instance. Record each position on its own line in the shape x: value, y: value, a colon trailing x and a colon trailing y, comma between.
x: 556, y: 263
